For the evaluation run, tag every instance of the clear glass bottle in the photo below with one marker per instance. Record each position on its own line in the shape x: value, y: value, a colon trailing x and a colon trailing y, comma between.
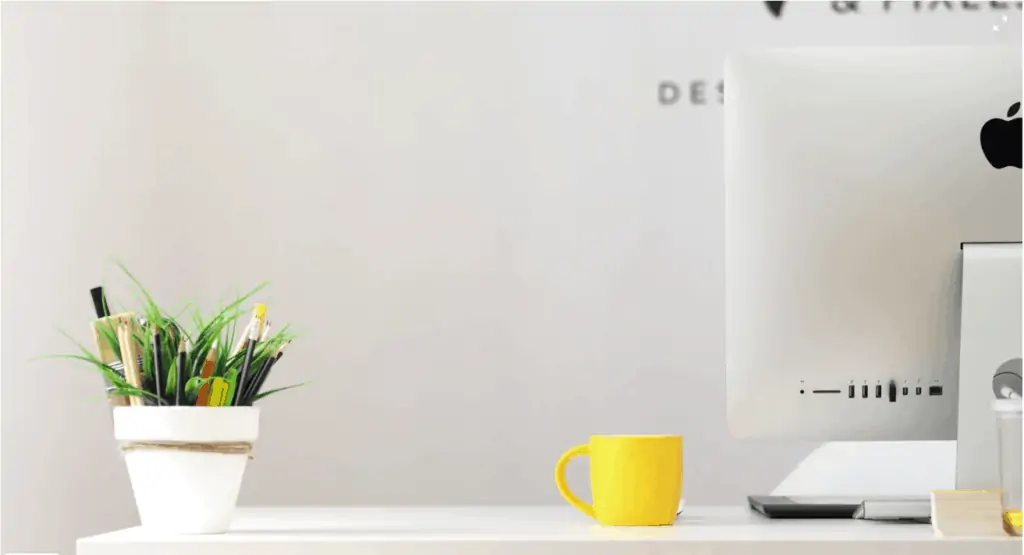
x: 1008, y: 417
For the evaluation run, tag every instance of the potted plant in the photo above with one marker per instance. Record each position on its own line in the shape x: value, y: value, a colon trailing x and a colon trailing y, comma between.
x: 184, y: 394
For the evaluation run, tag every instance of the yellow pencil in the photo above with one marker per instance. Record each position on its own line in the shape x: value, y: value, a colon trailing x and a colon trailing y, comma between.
x: 259, y: 316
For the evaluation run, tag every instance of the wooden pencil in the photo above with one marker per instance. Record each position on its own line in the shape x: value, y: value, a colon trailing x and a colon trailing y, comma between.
x: 106, y: 352
x: 207, y: 372
x: 129, y: 358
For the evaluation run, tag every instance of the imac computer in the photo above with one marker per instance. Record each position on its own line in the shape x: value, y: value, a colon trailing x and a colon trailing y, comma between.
x: 853, y: 177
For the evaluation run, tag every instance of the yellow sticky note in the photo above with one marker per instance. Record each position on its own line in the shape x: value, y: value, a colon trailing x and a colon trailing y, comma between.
x: 218, y: 392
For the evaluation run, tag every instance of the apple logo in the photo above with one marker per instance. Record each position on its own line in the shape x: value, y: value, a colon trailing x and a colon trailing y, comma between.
x: 1001, y: 140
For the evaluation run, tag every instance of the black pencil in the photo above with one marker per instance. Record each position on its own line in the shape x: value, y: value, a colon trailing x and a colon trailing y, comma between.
x: 258, y: 385
x: 250, y: 348
x: 251, y: 387
x: 158, y: 373
x: 255, y: 390
x: 179, y: 378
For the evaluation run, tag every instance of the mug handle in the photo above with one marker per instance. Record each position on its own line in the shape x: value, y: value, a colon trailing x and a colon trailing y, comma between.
x: 563, y: 487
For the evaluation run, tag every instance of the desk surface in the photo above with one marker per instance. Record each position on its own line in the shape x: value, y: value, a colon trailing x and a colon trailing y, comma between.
x: 537, y: 531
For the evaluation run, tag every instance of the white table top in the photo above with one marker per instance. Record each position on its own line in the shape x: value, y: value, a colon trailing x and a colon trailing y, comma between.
x: 537, y: 531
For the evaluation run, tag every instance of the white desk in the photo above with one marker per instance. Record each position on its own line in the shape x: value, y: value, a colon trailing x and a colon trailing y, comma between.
x: 537, y: 531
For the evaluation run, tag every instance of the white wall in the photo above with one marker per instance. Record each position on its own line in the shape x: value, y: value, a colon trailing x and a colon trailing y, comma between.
x: 492, y: 236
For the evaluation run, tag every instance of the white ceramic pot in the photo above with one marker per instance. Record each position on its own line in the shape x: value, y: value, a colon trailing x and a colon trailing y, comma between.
x: 181, y: 491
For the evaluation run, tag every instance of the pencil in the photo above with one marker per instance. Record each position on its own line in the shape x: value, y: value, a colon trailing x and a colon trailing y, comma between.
x: 104, y: 349
x: 244, y: 338
x: 262, y: 378
x: 128, y: 358
x: 254, y: 338
x: 250, y: 389
x: 158, y: 361
x: 259, y: 314
x: 179, y: 378
x: 204, y: 390
x: 257, y: 380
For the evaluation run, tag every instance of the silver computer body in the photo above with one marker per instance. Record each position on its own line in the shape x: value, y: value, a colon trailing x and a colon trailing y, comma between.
x: 852, y: 177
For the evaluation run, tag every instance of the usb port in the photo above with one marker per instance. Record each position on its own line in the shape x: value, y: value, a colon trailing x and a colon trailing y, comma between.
x: 853, y: 391
x: 878, y: 392
x: 864, y: 391
x: 918, y: 390
x: 935, y: 390
x: 906, y: 391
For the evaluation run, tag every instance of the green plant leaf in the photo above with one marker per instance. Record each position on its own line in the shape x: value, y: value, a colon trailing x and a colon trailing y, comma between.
x: 220, y: 326
x: 277, y: 390
x: 152, y: 310
x: 135, y: 392
x: 112, y: 375
x: 193, y: 384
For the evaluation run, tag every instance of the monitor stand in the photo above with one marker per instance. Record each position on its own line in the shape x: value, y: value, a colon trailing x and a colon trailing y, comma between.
x: 990, y: 356
x: 837, y: 477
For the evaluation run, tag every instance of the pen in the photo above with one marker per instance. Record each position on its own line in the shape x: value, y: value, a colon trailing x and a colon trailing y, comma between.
x: 158, y: 373
x: 254, y: 337
x: 179, y: 379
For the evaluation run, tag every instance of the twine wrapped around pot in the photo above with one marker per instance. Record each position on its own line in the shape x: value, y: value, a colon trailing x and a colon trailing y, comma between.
x: 224, y: 448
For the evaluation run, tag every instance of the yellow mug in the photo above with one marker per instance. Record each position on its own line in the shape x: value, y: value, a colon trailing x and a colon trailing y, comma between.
x: 634, y: 480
